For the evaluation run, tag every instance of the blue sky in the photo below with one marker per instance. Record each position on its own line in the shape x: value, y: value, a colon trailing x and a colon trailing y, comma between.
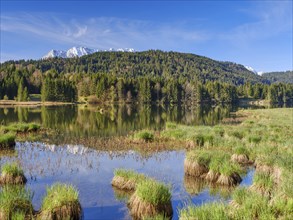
x: 253, y: 33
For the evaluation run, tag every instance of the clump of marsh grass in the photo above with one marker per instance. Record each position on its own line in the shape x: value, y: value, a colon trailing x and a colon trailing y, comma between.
x: 61, y: 202
x: 229, y: 174
x: 197, y: 162
x: 151, y: 198
x: 241, y: 155
x: 126, y: 179
x: 145, y: 135
x: 12, y: 174
x: 206, y: 211
x: 214, y: 167
x: 15, y: 201
x: 7, y: 140
x: 263, y: 183
x: 251, y: 205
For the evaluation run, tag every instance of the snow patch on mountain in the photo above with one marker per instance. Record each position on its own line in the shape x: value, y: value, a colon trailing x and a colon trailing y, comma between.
x: 251, y: 69
x: 80, y: 51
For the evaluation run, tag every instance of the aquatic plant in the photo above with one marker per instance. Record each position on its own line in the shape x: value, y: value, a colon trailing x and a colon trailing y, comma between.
x: 150, y: 199
x: 12, y: 174
x: 61, y: 202
x: 126, y: 179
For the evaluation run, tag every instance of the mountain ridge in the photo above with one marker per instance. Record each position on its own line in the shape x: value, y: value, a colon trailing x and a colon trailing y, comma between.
x: 80, y: 51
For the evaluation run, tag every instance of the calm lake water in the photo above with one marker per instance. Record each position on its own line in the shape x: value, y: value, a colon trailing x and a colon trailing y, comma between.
x: 91, y: 171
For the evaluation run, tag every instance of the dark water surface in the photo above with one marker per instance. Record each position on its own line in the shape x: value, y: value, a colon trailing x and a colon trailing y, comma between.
x: 91, y: 171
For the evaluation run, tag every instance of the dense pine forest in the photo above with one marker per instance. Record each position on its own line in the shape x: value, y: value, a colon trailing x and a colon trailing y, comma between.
x: 151, y: 76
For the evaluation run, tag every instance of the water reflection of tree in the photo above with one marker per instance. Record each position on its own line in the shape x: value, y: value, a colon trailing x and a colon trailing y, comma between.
x: 97, y: 121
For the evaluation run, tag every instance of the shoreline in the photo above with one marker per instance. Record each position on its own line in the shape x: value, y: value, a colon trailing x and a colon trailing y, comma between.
x: 9, y: 103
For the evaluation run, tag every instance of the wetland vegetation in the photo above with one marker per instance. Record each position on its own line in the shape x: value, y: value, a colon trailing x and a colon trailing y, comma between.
x: 212, y: 160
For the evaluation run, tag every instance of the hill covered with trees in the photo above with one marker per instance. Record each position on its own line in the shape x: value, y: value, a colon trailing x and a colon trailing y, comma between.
x: 279, y: 77
x: 150, y: 76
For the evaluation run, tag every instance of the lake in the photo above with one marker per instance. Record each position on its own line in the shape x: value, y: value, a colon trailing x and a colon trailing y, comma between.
x: 91, y: 170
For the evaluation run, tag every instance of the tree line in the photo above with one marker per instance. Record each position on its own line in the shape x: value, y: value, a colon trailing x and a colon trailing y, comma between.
x: 152, y: 76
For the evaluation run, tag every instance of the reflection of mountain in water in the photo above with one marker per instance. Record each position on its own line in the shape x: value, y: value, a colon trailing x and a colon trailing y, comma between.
x: 73, y: 149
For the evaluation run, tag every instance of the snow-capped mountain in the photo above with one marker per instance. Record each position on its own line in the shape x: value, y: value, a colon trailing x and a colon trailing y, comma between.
x: 55, y: 53
x: 251, y: 69
x: 79, y: 51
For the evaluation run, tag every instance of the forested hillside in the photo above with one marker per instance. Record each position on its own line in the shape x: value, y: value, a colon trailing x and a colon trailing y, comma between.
x: 276, y: 77
x: 151, y: 76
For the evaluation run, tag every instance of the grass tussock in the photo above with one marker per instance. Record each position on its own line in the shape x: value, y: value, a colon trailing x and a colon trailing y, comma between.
x: 12, y: 174
x: 126, y: 179
x: 15, y: 202
x: 61, y: 202
x: 150, y: 199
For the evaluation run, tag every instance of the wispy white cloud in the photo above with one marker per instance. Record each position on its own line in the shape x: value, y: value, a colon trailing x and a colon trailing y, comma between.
x: 269, y: 19
x: 101, y: 32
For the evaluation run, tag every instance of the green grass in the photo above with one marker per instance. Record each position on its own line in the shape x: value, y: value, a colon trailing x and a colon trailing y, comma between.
x: 240, y: 195
x: 209, y: 211
x: 12, y: 169
x: 217, y: 161
x: 227, y: 168
x: 7, y: 140
x: 15, y: 201
x: 241, y: 150
x: 153, y: 192
x: 59, y: 195
x: 129, y: 174
x: 145, y: 135
x: 21, y: 127
x: 264, y: 180
x: 202, y: 157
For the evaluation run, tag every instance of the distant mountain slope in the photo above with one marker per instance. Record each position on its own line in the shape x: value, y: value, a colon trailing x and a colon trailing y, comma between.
x: 153, y: 63
x: 275, y: 77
